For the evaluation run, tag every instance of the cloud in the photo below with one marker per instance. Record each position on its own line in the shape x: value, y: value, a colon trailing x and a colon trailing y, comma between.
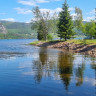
x: 9, y: 19
x: 73, y: 16
x: 89, y: 18
x: 91, y: 12
x: 57, y: 10
x: 22, y: 10
x: 29, y: 2
x: 71, y: 9
x: 34, y: 2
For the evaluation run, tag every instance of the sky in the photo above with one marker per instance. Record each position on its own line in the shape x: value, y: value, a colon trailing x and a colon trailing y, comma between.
x: 20, y: 10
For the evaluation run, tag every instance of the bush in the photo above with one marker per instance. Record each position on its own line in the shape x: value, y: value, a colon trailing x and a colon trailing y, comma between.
x: 50, y: 37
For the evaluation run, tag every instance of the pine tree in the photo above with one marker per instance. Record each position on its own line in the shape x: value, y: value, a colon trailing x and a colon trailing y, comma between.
x: 65, y: 24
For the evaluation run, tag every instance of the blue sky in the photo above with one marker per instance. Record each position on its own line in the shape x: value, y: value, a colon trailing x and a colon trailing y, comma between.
x: 20, y: 10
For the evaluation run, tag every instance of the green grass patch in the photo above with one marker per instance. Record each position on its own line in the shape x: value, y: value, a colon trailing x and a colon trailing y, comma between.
x: 34, y: 43
x: 89, y: 41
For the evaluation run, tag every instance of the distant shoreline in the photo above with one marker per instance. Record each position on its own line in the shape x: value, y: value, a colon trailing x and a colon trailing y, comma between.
x: 87, y: 49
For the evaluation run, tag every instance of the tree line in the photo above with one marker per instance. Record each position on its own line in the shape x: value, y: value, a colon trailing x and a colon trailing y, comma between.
x: 49, y: 25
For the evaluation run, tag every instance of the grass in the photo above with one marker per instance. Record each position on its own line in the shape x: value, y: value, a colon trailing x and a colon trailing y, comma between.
x: 37, y: 42
x: 34, y: 43
x: 89, y: 42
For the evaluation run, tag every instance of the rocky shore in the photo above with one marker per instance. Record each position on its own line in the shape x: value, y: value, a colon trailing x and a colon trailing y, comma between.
x: 78, y: 48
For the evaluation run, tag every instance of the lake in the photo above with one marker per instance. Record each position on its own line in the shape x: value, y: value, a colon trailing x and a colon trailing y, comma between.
x: 27, y: 70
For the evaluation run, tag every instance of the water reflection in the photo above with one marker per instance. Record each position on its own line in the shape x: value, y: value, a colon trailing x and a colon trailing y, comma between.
x: 54, y: 72
x: 65, y: 64
x: 79, y: 73
x: 42, y: 66
x: 93, y: 65
x: 60, y: 66
x: 8, y: 55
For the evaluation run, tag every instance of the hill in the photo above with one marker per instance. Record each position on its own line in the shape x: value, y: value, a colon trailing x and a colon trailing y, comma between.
x: 16, y: 30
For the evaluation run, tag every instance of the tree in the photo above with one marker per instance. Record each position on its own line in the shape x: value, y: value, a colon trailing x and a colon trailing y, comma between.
x: 43, y: 21
x: 78, y: 18
x: 65, y: 24
x: 89, y: 29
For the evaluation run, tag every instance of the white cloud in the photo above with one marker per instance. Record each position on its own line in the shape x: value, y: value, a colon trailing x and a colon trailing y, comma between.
x: 89, y: 18
x: 71, y: 9
x: 22, y: 10
x: 42, y: 1
x: 57, y: 10
x: 73, y: 16
x: 9, y: 19
x: 91, y: 12
x: 29, y: 2
x: 34, y: 2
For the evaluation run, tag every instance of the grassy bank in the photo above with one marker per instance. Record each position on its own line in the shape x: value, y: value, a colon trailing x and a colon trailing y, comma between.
x: 88, y: 42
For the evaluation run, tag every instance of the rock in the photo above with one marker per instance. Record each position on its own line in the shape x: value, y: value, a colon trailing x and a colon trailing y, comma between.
x: 2, y: 29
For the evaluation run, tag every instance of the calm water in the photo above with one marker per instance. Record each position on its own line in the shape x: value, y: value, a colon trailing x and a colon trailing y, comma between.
x: 31, y: 71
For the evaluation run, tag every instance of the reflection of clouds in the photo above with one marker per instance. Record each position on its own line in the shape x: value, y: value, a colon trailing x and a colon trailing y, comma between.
x: 25, y: 64
x: 10, y: 55
x: 11, y: 58
x: 90, y: 80
x: 79, y: 60
x: 28, y: 64
x: 28, y: 73
x: 33, y: 55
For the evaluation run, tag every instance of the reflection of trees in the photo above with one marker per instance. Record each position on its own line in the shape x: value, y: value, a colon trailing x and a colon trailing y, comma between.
x: 39, y: 64
x: 65, y: 65
x: 44, y: 65
x: 79, y: 74
x: 93, y: 65
x: 43, y: 56
x: 37, y: 67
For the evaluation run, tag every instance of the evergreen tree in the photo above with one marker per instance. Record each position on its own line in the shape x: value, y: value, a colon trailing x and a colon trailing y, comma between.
x: 65, y: 24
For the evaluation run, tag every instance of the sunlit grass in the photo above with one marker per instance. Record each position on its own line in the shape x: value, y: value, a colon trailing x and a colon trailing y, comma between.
x: 34, y: 43
x: 89, y: 41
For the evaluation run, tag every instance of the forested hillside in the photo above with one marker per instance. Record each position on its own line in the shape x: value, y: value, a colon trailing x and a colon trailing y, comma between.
x: 17, y: 30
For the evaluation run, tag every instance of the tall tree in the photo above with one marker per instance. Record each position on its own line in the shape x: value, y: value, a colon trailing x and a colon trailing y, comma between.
x: 65, y: 24
x: 78, y: 18
x: 43, y: 23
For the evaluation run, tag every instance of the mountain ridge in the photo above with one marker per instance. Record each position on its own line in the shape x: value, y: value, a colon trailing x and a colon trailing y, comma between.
x: 17, y: 30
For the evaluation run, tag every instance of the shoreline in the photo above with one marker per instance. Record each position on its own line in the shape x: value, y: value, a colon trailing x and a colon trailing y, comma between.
x: 86, y: 49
